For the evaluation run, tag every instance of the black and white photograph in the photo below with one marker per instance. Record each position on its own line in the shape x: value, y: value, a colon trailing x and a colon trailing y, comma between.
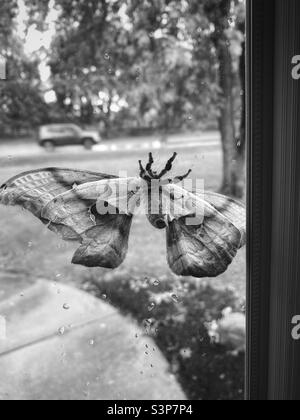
x: 149, y: 202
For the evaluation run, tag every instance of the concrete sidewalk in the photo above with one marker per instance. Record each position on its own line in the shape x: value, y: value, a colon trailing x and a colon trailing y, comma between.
x: 63, y: 344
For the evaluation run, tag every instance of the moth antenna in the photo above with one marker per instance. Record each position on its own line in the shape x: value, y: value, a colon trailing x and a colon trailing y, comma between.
x: 149, y: 165
x: 169, y: 165
x: 181, y: 178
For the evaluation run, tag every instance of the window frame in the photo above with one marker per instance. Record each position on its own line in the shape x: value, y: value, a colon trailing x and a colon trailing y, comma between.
x: 273, y: 266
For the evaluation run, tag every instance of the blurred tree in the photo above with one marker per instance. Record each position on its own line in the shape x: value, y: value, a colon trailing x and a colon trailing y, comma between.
x: 161, y: 64
x: 137, y: 57
x: 21, y: 102
x: 177, y: 85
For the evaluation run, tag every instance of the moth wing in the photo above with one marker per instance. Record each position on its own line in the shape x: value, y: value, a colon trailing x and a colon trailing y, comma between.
x: 233, y: 210
x: 206, y: 249
x: 123, y: 194
x: 50, y: 194
x: 106, y: 244
x: 178, y: 202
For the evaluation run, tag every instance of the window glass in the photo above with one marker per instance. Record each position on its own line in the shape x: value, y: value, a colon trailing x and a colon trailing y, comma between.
x: 153, y: 306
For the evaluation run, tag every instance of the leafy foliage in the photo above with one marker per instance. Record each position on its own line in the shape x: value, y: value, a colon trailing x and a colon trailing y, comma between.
x: 177, y: 319
x: 21, y: 103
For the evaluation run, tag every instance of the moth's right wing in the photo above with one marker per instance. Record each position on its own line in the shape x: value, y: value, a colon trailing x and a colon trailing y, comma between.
x: 206, y: 247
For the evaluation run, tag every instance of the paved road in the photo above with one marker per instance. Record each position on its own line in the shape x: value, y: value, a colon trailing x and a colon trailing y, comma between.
x: 63, y: 344
x: 205, y: 140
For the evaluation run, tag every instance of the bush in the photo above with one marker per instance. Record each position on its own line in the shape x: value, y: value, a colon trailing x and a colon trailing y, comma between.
x: 178, y: 322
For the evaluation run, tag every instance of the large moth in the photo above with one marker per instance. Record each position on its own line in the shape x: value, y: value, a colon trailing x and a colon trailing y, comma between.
x: 204, y: 231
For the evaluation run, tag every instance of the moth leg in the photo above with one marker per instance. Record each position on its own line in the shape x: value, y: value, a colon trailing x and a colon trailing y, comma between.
x: 169, y: 166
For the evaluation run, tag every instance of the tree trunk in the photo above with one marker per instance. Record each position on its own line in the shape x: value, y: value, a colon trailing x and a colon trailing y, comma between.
x: 241, y: 145
x: 233, y: 184
x: 226, y: 120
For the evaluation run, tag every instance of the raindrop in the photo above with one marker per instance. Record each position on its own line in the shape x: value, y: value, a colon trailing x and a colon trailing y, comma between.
x: 92, y: 342
x: 151, y: 307
x: 156, y: 283
x: 107, y: 56
x: 66, y: 306
x: 30, y: 244
x: 175, y: 298
x: 104, y: 297
x: 62, y: 331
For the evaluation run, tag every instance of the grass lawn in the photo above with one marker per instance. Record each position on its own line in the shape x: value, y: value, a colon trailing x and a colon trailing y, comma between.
x: 205, y: 371
x: 35, y: 252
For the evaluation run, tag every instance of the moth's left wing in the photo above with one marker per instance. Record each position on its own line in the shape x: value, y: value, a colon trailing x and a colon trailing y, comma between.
x: 206, y: 249
x: 50, y: 194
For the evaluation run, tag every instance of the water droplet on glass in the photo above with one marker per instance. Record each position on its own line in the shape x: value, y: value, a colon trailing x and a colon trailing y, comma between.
x: 92, y: 342
x: 107, y: 56
x: 104, y: 296
x: 30, y: 244
x: 66, y: 306
x: 62, y: 331
x: 151, y: 307
x: 175, y: 298
x: 156, y: 283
